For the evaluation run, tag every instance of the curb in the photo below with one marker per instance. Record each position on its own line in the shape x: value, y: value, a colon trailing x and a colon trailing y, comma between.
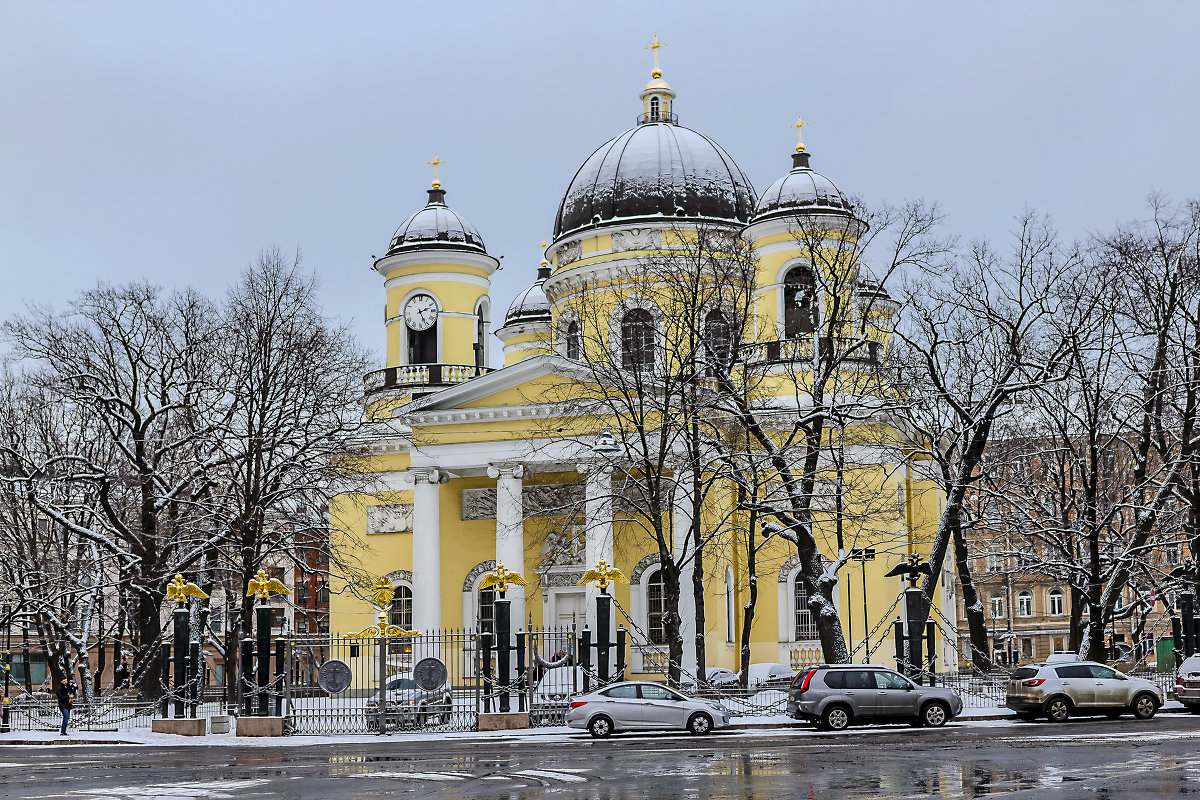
x: 57, y: 742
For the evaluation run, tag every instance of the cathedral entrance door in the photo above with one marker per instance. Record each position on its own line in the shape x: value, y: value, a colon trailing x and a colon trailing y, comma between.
x: 568, y: 608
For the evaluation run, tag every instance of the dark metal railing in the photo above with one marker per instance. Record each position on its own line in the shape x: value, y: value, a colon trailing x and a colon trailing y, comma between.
x: 417, y: 375
x: 801, y: 349
x: 660, y: 117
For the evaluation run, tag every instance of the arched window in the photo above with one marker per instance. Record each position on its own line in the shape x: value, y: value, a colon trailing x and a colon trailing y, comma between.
x: 574, y: 347
x: 799, y: 297
x: 487, y: 611
x: 1024, y: 604
x: 730, y: 620
x: 400, y: 612
x: 655, y: 593
x: 480, y: 338
x: 637, y: 339
x: 1057, y: 606
x: 718, y: 337
x: 654, y: 108
x: 806, y: 625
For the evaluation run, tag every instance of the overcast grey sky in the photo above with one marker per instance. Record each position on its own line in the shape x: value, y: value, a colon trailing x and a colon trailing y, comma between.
x: 173, y: 141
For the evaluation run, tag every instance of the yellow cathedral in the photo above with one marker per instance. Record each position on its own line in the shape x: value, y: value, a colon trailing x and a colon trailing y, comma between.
x: 467, y: 473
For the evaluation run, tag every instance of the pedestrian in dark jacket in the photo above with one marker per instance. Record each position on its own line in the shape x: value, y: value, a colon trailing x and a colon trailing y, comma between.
x: 65, y: 692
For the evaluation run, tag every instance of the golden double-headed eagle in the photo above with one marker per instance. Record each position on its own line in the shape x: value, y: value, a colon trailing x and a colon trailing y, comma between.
x: 180, y: 590
x: 261, y: 586
x: 501, y: 578
x: 602, y: 575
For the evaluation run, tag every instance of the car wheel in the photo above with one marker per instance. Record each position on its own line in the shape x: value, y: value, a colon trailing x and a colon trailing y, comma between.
x: 835, y: 718
x: 600, y: 727
x: 1058, y: 709
x: 1144, y: 705
x: 699, y: 724
x: 935, y: 714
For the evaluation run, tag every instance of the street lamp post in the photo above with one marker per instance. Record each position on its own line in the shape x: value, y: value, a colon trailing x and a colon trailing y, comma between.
x: 4, y: 721
x: 862, y: 555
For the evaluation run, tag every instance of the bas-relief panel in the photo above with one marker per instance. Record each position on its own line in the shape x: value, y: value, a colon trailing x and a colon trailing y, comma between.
x: 538, y: 500
x: 393, y: 518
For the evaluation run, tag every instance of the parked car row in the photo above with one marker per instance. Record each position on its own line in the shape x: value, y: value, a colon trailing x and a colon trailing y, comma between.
x: 836, y: 696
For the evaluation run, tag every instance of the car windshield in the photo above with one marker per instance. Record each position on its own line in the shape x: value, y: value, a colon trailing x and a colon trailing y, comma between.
x: 401, y: 684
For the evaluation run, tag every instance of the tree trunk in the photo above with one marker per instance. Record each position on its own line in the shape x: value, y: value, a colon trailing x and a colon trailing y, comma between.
x: 698, y: 585
x: 751, y: 603
x: 981, y: 656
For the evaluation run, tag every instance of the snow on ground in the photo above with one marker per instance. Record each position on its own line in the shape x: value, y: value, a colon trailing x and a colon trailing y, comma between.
x: 748, y: 726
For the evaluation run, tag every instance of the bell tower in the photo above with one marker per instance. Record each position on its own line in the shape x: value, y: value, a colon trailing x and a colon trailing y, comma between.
x: 437, y: 273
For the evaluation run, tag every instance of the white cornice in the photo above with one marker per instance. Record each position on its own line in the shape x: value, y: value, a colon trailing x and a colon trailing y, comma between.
x: 435, y: 277
x: 418, y: 258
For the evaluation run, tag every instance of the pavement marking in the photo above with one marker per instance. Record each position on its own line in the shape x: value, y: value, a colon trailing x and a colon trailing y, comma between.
x: 213, y: 789
x: 414, y: 776
x: 558, y: 776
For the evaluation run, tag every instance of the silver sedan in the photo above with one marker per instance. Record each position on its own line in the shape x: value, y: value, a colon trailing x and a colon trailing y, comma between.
x: 642, y: 705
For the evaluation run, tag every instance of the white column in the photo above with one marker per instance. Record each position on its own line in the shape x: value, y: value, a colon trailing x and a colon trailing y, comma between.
x: 598, y: 536
x: 510, y: 533
x: 427, y: 549
x: 682, y: 547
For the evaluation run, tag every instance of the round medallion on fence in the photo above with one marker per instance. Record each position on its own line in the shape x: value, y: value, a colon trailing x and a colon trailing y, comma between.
x: 334, y: 676
x: 430, y: 673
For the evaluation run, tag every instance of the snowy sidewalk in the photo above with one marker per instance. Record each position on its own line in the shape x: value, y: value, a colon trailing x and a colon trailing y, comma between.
x: 750, y: 725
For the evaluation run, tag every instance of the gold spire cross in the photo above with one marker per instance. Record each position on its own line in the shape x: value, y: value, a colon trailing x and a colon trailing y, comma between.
x: 799, y: 125
x: 653, y: 47
x: 435, y: 164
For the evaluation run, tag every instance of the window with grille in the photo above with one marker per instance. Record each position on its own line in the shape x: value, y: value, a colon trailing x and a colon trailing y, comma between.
x: 718, y: 337
x: 637, y: 339
x: 574, y: 347
x: 806, y: 625
x: 400, y: 613
x: 487, y: 611
x: 655, y: 630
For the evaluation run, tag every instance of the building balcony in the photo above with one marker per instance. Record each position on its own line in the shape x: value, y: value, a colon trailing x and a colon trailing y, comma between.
x: 418, y: 377
x: 660, y: 117
x: 787, y: 351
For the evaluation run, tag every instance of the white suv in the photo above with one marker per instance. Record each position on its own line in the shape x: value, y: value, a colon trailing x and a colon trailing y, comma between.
x: 1060, y: 690
x: 1187, y: 683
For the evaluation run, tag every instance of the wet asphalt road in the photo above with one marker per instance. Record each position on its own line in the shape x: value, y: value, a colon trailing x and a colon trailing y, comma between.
x: 1081, y: 759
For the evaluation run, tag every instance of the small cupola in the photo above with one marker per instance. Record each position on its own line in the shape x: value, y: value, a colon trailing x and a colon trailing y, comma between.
x: 658, y: 99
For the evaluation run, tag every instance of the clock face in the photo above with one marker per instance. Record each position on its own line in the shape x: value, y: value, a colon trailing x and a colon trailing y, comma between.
x: 420, y: 312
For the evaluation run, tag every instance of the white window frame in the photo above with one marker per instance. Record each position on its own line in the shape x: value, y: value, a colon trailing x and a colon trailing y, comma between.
x: 1024, y: 603
x: 1060, y: 596
x: 996, y: 606
x: 730, y: 605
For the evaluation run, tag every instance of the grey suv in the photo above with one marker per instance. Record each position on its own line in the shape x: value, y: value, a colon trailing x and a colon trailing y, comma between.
x: 1059, y: 690
x: 836, y: 696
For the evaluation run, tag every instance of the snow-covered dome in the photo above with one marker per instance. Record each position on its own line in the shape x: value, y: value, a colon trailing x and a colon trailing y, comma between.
x: 657, y: 170
x: 436, y: 227
x: 531, y: 305
x: 802, y: 189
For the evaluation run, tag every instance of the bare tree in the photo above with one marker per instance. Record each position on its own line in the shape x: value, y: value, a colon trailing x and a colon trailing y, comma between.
x: 979, y: 333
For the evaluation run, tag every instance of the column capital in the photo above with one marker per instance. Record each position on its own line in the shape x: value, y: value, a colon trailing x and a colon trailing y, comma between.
x: 426, y: 475
x: 506, y: 469
x: 601, y: 468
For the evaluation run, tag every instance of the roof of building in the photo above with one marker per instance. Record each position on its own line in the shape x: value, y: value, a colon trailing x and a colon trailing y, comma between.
x: 436, y: 227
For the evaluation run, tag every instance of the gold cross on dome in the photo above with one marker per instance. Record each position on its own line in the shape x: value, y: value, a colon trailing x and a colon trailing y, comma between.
x: 653, y: 47
x: 435, y: 164
x: 544, y: 243
x: 799, y: 125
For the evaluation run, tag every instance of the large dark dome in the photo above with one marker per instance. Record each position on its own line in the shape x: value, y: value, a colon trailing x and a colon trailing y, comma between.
x: 656, y: 171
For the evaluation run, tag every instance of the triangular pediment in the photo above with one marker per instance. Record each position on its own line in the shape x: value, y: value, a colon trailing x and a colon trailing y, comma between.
x: 525, y: 383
